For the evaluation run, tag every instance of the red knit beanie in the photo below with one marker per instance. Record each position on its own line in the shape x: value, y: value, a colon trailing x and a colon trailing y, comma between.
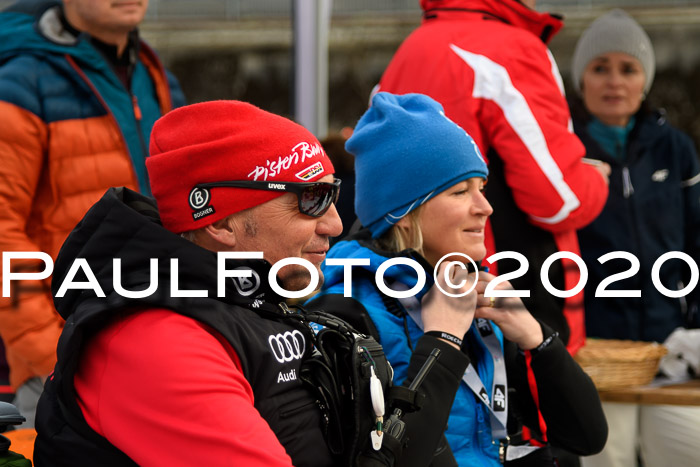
x: 225, y: 140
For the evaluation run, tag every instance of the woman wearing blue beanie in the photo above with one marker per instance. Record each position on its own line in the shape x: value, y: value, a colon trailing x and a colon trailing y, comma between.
x: 420, y: 197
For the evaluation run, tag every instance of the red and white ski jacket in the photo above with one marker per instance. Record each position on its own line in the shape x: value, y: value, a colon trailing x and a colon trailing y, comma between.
x: 487, y: 63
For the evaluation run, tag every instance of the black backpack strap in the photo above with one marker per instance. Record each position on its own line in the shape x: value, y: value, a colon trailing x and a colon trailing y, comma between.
x: 348, y: 309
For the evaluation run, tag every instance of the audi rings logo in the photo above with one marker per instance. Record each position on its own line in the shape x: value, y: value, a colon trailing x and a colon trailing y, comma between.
x: 288, y: 346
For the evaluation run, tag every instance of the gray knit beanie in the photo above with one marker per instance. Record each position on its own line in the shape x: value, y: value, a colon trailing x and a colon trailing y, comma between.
x: 615, y: 31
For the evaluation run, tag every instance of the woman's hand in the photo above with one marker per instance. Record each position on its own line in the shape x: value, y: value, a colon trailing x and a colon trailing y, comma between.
x: 509, y: 313
x: 452, y: 315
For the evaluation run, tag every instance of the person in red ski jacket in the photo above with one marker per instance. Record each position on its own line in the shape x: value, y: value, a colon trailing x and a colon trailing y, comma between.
x: 487, y: 63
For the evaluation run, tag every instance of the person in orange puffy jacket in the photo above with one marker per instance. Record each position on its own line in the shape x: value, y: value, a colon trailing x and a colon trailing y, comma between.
x: 79, y: 93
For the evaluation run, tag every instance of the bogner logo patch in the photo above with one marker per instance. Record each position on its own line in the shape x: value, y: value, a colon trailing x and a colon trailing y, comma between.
x: 199, y: 202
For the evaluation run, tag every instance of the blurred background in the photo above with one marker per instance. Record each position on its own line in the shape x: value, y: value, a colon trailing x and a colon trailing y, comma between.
x: 243, y: 49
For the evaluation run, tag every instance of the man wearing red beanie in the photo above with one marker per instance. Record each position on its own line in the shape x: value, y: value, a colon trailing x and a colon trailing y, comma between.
x: 190, y: 381
x: 179, y: 349
x: 224, y: 141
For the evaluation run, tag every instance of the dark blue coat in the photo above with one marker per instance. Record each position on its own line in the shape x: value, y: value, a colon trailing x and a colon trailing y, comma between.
x: 653, y: 207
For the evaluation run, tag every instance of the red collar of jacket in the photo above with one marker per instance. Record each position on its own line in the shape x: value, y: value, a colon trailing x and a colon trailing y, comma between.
x: 543, y: 25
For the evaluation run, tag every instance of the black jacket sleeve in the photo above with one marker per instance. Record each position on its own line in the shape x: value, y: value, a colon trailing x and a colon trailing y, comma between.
x: 425, y: 428
x: 567, y: 398
x: 690, y: 189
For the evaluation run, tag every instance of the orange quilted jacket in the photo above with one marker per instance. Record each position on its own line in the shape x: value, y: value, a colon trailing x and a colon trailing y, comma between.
x: 67, y: 132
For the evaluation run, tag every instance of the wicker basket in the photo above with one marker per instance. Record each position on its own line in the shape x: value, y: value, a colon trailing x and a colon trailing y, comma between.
x: 613, y: 364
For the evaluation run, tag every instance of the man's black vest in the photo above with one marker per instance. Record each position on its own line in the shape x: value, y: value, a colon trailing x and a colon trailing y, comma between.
x: 124, y: 225
x: 270, y: 353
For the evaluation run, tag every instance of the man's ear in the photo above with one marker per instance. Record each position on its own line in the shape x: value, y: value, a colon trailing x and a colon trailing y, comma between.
x: 221, y: 234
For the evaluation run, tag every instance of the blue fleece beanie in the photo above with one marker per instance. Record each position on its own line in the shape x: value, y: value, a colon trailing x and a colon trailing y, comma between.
x: 407, y: 151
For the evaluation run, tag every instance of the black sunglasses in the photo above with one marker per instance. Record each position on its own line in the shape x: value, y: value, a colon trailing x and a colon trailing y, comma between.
x: 314, y: 198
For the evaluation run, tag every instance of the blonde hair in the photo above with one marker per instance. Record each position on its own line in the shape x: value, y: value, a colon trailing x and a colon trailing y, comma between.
x: 399, y: 238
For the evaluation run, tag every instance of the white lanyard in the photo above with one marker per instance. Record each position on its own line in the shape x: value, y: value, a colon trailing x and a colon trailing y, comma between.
x: 498, y: 407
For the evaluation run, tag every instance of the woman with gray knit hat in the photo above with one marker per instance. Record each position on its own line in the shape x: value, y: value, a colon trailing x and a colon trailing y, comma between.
x: 653, y: 207
x: 419, y: 194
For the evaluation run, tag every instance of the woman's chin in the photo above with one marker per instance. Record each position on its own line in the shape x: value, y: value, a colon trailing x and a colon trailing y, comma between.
x: 477, y: 253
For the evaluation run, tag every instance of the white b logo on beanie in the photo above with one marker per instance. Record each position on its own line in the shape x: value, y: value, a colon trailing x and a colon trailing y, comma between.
x: 199, y: 202
x: 199, y: 197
